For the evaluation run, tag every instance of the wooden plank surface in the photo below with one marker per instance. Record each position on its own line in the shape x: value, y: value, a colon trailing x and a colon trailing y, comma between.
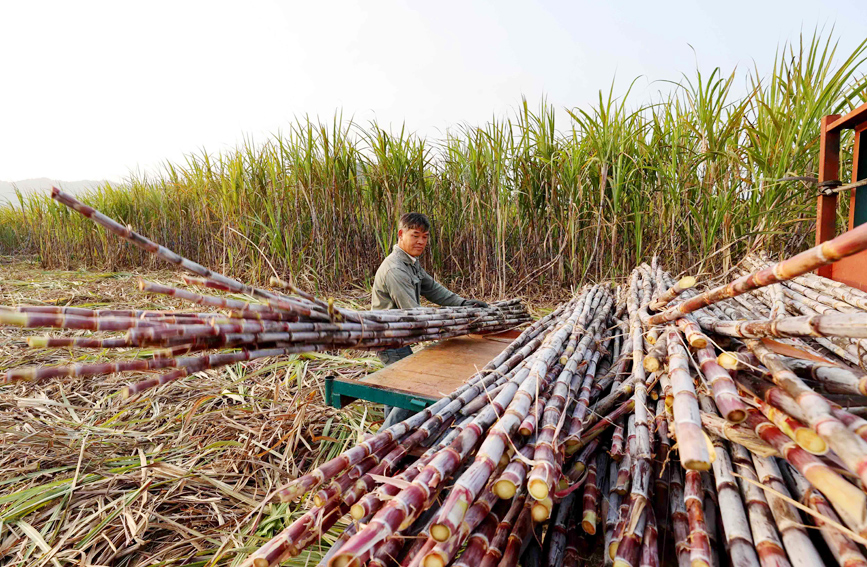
x: 437, y: 370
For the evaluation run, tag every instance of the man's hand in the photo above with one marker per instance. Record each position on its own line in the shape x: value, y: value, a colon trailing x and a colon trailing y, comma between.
x: 475, y: 303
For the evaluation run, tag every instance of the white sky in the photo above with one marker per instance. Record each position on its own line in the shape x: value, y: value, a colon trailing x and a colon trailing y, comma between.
x: 91, y: 90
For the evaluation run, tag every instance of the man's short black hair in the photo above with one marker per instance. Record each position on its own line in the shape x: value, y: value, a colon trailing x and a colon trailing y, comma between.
x: 417, y: 221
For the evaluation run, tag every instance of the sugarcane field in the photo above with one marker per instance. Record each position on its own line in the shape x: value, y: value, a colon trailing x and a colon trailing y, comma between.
x: 626, y: 330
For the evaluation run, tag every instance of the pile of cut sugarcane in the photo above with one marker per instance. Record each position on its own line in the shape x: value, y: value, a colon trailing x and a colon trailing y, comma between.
x: 630, y: 425
x: 643, y: 423
x: 270, y: 324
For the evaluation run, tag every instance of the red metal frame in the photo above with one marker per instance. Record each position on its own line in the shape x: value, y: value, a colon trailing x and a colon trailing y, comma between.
x: 852, y: 270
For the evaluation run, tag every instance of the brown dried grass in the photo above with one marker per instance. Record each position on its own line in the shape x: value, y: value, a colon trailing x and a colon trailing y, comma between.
x: 172, y: 477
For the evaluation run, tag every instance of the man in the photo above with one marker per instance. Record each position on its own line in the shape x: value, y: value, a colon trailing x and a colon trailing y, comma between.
x: 400, y: 283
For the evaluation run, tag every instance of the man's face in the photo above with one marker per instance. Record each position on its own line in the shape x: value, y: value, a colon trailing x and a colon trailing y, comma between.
x: 413, y: 241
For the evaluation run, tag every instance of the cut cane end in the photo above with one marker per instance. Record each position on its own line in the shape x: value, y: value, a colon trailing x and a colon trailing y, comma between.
x: 505, y: 489
x: 811, y: 442
x: 356, y: 511
x: 736, y: 416
x: 440, y: 532
x: 13, y: 318
x: 260, y: 562
x: 698, y: 341
x: 433, y: 560
x: 696, y: 465
x: 37, y: 342
x: 540, y: 512
x: 651, y: 363
x: 687, y: 282
x: 612, y: 550
x: 538, y: 489
x: 699, y: 563
x: 588, y: 523
x: 727, y: 361
x: 342, y: 561
x: 525, y: 431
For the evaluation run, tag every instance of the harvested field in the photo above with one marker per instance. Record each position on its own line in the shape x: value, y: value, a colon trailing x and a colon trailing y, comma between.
x: 172, y: 477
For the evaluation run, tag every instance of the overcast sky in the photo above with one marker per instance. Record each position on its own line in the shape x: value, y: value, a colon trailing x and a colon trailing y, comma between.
x: 91, y: 90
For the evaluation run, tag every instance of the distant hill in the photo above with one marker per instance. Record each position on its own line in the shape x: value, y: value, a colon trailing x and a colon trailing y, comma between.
x: 43, y: 184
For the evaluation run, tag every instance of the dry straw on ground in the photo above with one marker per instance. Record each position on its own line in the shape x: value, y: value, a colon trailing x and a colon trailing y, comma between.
x: 172, y: 477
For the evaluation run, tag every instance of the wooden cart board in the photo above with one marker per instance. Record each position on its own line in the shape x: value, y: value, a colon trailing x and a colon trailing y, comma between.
x: 424, y: 377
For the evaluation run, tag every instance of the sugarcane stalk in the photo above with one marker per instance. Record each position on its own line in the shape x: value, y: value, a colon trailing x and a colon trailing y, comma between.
x: 624, y: 472
x: 737, y: 531
x: 768, y: 543
x: 477, y: 544
x: 544, y: 472
x: 656, y: 356
x: 649, y: 556
x: 693, y: 449
x: 817, y: 411
x: 679, y: 519
x: 672, y: 292
x: 835, y: 379
x: 660, y: 470
x: 501, y: 536
x: 592, y: 490
x: 845, y: 551
x: 849, y: 501
x: 797, y: 543
x: 557, y: 539
x: 467, y: 486
x: 699, y: 541
x: 629, y: 547
x: 443, y: 552
x: 611, y: 511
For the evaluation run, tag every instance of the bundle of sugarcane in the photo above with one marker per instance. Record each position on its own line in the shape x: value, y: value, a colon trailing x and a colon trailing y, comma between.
x: 269, y: 324
x: 495, y: 462
x: 622, y: 429
x: 760, y: 381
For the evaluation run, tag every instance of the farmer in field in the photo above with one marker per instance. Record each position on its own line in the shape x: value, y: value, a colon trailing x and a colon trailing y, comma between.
x: 401, y: 282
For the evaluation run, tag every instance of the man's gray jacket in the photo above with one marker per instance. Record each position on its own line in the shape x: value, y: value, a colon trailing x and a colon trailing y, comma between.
x: 400, y: 283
